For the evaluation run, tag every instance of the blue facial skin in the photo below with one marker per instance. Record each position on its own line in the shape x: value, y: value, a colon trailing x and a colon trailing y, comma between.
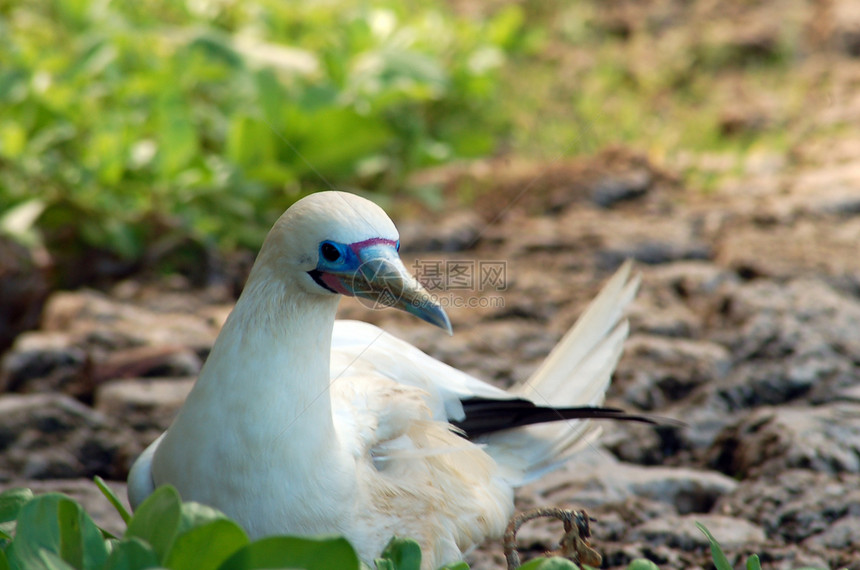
x: 346, y: 259
x: 372, y: 269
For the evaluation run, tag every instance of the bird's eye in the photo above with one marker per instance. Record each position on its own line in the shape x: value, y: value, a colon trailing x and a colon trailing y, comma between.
x: 329, y: 252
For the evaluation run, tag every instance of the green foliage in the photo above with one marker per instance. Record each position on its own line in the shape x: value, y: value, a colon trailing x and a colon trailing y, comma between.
x: 53, y: 532
x: 720, y: 560
x: 131, y: 122
x: 554, y: 563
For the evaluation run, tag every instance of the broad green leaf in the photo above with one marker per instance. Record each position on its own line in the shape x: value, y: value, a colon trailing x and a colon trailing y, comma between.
x: 401, y: 554
x: 114, y: 500
x: 251, y: 143
x: 56, y: 524
x: 642, y: 564
x: 206, y: 546
x: 197, y: 514
x: 132, y: 554
x: 156, y: 520
x: 455, y: 566
x: 11, y: 502
x: 177, y: 135
x: 81, y: 542
x: 554, y: 563
x: 294, y: 552
x: 753, y: 562
x: 13, y: 140
x: 720, y: 560
x: 4, y: 562
x: 53, y: 562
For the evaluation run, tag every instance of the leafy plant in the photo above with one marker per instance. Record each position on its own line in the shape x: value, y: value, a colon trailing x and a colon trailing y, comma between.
x: 719, y: 558
x: 125, y: 124
x: 53, y: 532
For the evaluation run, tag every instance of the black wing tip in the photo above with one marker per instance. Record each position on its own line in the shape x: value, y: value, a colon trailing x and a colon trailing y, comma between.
x: 484, y: 416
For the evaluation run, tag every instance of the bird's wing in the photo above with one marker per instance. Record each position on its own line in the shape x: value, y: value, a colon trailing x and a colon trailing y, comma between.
x: 362, y: 348
x: 415, y: 476
x: 570, y: 385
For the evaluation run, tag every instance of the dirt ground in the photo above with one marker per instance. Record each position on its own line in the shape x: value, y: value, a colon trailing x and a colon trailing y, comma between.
x: 746, y: 328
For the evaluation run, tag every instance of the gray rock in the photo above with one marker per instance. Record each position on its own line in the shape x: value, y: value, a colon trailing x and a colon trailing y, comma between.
x: 657, y: 371
x: 143, y: 403
x: 23, y: 288
x: 147, y: 361
x: 45, y: 436
x: 111, y: 325
x: 610, y: 190
x: 771, y: 440
x: 594, y: 478
x: 844, y: 534
x: 681, y: 531
x: 795, y: 504
x: 45, y: 362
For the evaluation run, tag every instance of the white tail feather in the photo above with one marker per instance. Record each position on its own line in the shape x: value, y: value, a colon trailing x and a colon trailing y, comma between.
x: 576, y: 373
x: 561, y: 374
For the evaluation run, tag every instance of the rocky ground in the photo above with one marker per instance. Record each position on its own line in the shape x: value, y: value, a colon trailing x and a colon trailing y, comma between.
x: 746, y: 328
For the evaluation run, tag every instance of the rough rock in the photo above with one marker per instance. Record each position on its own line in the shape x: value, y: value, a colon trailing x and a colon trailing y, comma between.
x: 772, y: 440
x: 143, y: 403
x: 23, y: 289
x: 657, y: 371
x: 596, y: 478
x: 44, y: 436
x: 795, y: 504
x: 45, y: 362
x: 681, y: 532
x: 112, y: 325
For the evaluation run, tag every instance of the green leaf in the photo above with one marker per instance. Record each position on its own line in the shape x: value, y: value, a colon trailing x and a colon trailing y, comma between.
x: 132, y: 554
x: 4, y: 562
x: 455, y: 566
x: 400, y: 554
x: 197, y: 514
x: 51, y: 561
x: 156, y: 520
x: 720, y: 560
x: 294, y: 552
x: 177, y: 135
x: 81, y: 541
x: 206, y: 546
x: 56, y: 524
x: 642, y: 564
x: 753, y: 563
x: 11, y: 502
x: 114, y: 500
x: 554, y: 563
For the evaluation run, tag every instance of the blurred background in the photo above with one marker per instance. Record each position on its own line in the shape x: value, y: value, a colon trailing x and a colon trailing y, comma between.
x: 147, y: 147
x: 155, y: 136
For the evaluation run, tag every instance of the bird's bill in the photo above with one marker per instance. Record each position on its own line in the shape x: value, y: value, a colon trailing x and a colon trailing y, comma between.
x: 383, y: 279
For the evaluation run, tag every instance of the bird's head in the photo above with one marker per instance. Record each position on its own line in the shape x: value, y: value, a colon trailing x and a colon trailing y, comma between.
x: 335, y: 243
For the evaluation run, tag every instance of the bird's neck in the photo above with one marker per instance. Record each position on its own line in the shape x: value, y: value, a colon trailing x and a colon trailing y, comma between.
x: 268, y: 371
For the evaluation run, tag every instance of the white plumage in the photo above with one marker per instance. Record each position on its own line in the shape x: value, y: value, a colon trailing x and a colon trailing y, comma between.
x: 299, y: 424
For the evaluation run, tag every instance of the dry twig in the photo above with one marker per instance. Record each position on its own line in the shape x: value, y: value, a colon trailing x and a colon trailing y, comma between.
x: 573, y: 545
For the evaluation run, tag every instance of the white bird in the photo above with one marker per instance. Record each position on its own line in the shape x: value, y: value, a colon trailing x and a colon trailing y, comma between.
x: 301, y: 424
